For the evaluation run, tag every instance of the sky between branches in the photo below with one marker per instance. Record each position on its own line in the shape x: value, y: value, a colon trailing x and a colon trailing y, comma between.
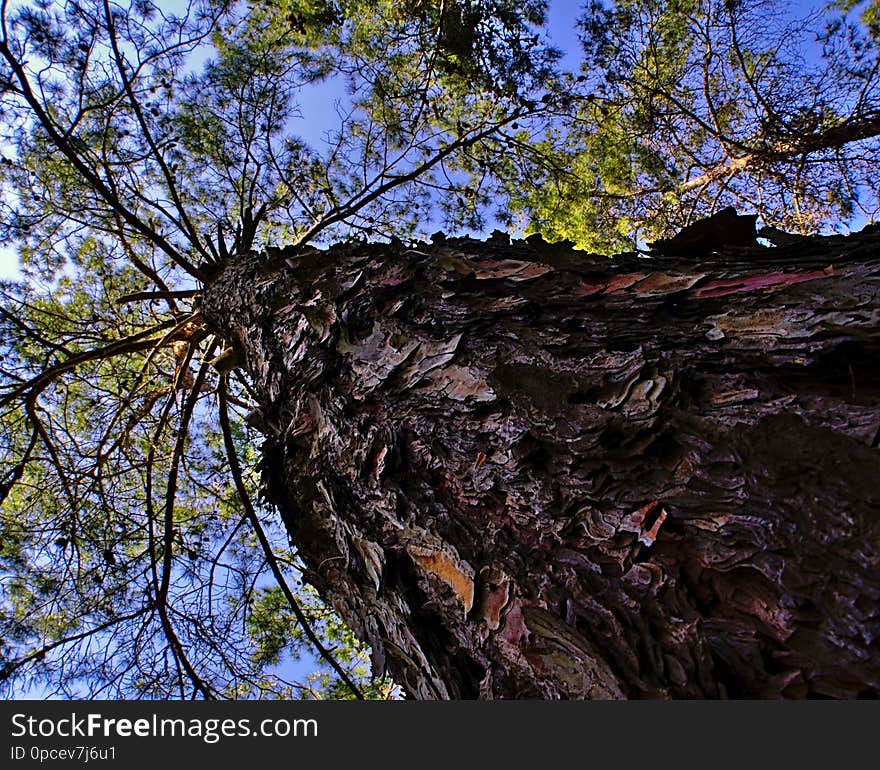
x: 321, y: 101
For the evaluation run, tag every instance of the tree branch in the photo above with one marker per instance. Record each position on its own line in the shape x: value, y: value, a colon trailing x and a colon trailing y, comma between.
x: 235, y: 469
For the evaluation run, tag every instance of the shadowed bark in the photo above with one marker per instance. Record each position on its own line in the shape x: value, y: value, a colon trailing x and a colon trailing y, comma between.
x: 522, y: 471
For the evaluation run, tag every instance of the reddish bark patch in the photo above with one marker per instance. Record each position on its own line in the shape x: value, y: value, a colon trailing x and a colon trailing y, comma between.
x: 715, y: 289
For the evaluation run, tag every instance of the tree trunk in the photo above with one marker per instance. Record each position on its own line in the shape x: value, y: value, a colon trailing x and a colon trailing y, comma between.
x: 517, y: 470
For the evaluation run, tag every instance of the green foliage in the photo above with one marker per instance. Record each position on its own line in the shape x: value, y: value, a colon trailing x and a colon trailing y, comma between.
x: 868, y: 13
x: 687, y: 106
x: 428, y: 87
x: 277, y: 636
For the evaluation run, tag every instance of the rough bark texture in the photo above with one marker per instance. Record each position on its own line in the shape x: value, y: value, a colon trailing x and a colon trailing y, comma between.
x: 521, y: 471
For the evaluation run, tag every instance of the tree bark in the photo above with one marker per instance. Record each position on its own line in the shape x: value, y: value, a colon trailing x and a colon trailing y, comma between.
x: 518, y: 471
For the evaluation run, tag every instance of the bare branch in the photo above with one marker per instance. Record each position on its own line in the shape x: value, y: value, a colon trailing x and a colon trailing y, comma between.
x: 254, y: 520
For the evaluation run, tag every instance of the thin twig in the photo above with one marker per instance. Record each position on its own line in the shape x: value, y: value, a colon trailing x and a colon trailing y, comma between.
x: 235, y: 468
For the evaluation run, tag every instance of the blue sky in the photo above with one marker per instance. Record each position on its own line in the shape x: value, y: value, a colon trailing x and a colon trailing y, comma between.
x: 319, y: 102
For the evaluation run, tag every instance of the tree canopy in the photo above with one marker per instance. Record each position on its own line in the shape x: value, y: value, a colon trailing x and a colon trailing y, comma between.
x: 143, y: 147
x: 687, y: 106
